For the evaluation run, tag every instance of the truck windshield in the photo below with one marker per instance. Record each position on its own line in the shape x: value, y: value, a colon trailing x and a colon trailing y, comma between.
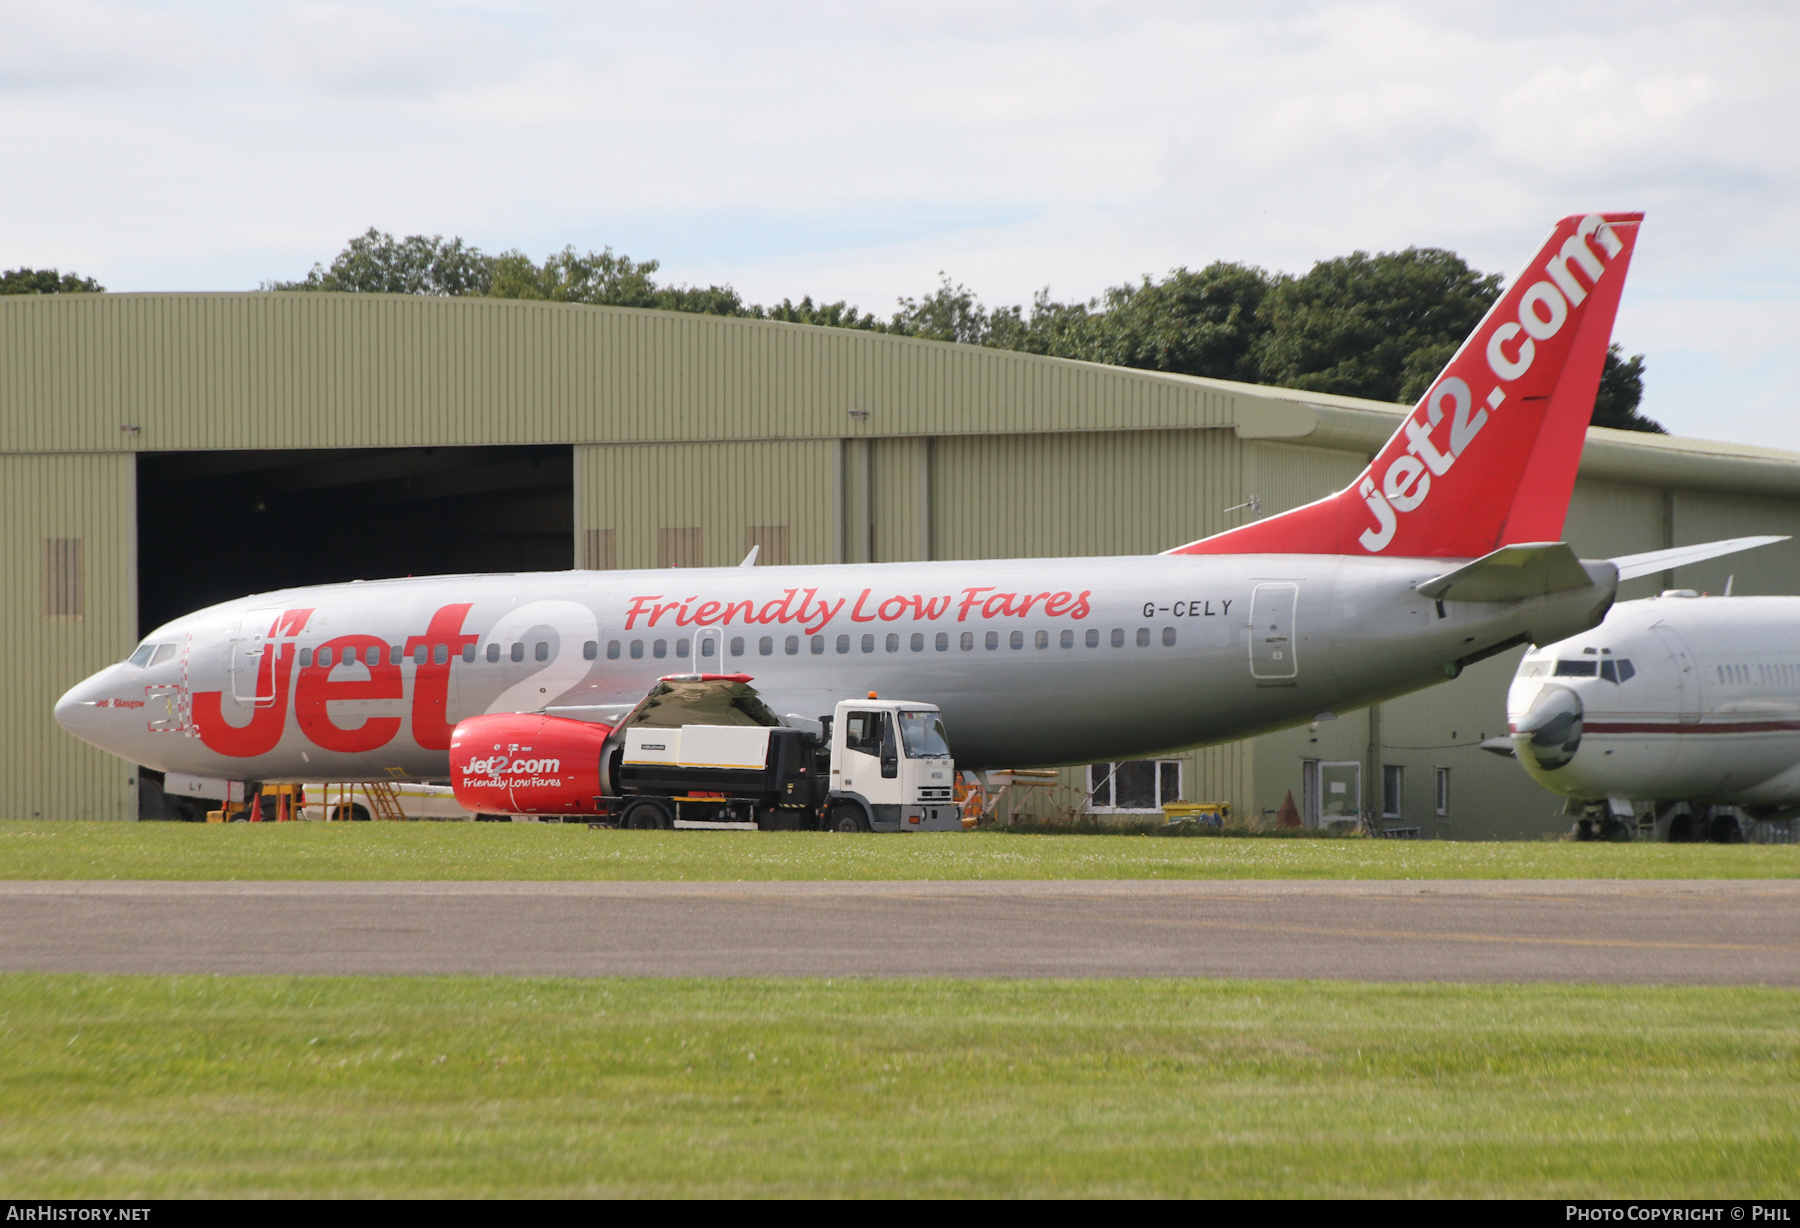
x: 923, y: 733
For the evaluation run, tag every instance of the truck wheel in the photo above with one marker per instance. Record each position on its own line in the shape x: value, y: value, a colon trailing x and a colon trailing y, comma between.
x: 846, y: 817
x: 646, y: 814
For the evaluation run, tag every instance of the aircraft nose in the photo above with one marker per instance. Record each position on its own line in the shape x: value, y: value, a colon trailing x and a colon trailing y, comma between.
x: 1550, y: 732
x: 78, y: 710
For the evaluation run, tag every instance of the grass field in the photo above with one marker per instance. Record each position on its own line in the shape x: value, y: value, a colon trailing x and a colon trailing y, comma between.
x: 193, y: 1086
x: 342, y: 851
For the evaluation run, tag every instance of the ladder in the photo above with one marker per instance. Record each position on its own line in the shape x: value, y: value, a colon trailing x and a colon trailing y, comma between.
x: 384, y: 799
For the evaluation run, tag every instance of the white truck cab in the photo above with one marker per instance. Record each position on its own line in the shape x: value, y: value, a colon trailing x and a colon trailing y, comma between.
x: 891, y: 757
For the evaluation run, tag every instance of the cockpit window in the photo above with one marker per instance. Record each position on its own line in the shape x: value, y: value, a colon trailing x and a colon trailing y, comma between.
x: 1616, y: 670
x: 141, y: 657
x: 151, y: 654
x: 1577, y: 669
x: 1534, y: 669
x: 163, y: 653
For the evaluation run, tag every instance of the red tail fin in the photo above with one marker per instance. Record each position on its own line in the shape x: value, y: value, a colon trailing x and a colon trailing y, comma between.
x: 1488, y: 457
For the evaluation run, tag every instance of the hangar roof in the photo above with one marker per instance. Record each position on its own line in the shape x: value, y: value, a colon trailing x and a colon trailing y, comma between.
x: 165, y: 372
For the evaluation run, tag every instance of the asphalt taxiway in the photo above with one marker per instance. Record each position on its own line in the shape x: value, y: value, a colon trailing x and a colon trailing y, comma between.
x: 1688, y: 932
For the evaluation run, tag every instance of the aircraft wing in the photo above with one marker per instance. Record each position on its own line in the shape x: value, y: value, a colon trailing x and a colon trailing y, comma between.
x: 1631, y: 566
x: 1512, y: 573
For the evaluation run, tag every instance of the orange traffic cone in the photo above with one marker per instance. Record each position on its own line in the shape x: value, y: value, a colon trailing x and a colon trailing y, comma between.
x: 1288, y: 818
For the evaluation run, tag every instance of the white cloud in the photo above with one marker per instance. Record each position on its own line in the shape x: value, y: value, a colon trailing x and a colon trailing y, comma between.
x: 854, y: 150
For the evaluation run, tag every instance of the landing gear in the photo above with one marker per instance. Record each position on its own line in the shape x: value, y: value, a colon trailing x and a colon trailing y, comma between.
x: 1725, y: 829
x: 647, y: 814
x: 1602, y: 825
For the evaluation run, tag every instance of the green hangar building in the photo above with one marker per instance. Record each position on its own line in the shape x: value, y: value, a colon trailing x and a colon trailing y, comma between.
x: 164, y: 451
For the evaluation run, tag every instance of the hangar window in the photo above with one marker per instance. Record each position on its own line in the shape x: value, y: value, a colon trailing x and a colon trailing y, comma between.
x: 943, y: 641
x: 968, y: 641
x: 1068, y: 639
x: 1118, y: 637
x: 1443, y: 788
x: 1016, y: 639
x: 637, y: 650
x: 737, y: 645
x: 1093, y: 637
x: 518, y: 651
x: 993, y: 640
x: 1577, y: 669
x: 766, y: 646
x: 612, y: 651
x: 918, y: 641
x: 818, y: 645
x: 792, y: 646
x: 63, y: 597
x: 1393, y: 780
x: 1143, y: 637
x: 893, y: 642
x: 1141, y: 785
x: 843, y: 643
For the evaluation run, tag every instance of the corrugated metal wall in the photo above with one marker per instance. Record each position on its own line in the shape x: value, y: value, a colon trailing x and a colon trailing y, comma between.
x: 721, y: 490
x: 355, y: 370
x: 68, y: 559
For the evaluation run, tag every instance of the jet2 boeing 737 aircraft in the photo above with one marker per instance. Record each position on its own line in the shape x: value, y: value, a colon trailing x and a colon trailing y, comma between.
x: 1444, y: 551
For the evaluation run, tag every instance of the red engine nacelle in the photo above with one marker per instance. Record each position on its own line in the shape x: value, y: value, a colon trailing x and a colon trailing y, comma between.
x: 526, y: 763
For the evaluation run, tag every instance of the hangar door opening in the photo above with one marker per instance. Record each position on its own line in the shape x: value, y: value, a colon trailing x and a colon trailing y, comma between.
x: 217, y: 525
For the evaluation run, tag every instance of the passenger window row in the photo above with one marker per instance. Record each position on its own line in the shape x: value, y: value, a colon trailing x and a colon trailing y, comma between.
x: 435, y: 654
x: 1763, y: 673
x: 891, y: 642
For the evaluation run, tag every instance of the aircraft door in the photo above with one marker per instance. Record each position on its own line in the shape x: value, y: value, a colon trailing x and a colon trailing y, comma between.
x: 1272, y: 650
x: 253, y: 673
x: 1687, y: 675
x: 708, y: 655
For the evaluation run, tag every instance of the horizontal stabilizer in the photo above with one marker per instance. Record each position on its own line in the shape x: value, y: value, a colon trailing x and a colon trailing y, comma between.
x: 1631, y: 566
x: 1512, y: 573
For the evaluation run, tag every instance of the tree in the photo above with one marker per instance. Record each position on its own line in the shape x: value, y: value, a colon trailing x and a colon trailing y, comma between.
x: 377, y: 263
x: 1621, y: 389
x: 47, y: 281
x: 828, y: 315
x: 1206, y: 323
x: 1353, y: 325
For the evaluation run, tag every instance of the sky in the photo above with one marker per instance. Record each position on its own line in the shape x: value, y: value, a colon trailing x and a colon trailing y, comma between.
x: 859, y: 151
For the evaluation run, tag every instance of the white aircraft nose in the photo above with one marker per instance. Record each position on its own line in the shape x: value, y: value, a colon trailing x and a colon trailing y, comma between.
x: 79, y: 711
x: 1550, y: 733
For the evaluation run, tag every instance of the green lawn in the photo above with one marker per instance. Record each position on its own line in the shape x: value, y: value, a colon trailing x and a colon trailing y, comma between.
x: 65, y: 850
x: 194, y: 1086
